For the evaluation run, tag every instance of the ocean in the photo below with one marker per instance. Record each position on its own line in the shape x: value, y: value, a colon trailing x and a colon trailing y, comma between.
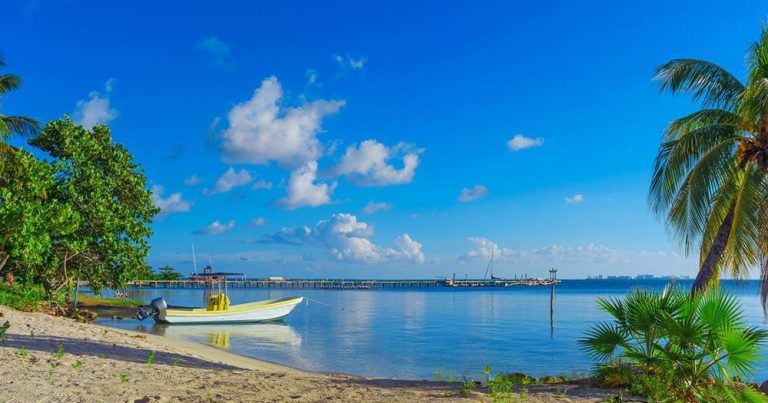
x: 418, y: 333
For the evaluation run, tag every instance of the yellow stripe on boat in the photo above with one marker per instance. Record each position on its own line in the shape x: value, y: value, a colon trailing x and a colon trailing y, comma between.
x: 252, y: 306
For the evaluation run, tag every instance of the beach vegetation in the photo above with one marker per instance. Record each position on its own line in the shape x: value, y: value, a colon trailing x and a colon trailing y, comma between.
x: 77, y: 365
x: 150, y: 358
x: 22, y: 352
x: 4, y: 330
x: 123, y: 378
x: 59, y: 352
x: 29, y: 297
x: 175, y: 361
x: 669, y: 344
x: 710, y: 171
x: 82, y: 213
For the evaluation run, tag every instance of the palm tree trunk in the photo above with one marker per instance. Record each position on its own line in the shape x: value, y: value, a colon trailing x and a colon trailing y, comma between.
x: 708, y: 269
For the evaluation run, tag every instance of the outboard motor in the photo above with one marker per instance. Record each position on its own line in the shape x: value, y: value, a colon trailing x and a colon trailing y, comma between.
x: 155, y: 307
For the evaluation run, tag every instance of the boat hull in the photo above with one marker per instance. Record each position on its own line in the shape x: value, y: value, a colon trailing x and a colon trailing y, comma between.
x: 261, y: 311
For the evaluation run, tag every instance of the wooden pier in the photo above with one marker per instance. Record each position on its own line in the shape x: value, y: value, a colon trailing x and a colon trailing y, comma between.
x: 339, y: 284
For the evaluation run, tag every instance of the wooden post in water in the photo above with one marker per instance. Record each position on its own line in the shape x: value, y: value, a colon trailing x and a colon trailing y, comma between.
x: 553, y: 279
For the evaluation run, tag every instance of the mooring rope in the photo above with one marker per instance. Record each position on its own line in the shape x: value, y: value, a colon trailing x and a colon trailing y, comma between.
x: 328, y: 305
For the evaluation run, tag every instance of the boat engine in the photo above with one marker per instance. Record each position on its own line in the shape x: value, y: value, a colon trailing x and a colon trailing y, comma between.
x: 155, y: 307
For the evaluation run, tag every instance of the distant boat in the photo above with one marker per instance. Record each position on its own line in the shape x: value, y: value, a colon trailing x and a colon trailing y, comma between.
x: 218, y: 309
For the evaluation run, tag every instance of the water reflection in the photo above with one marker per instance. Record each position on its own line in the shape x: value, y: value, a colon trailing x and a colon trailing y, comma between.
x: 254, y: 335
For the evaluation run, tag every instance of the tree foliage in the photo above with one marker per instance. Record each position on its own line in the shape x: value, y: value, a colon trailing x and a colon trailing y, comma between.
x: 710, y: 179
x: 83, y: 215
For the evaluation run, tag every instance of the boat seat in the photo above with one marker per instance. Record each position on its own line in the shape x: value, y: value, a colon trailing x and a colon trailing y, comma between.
x: 218, y: 302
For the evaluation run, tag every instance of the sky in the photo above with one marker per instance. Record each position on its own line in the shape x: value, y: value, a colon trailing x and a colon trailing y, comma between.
x: 382, y: 140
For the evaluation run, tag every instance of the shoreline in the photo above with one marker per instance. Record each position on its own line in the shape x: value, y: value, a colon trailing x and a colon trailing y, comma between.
x: 48, y: 358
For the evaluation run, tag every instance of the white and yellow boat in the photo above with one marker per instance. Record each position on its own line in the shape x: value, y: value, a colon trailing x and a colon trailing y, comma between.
x: 219, y: 310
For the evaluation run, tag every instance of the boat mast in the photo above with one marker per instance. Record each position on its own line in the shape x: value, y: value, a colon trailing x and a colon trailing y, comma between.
x: 490, y: 267
x: 194, y: 262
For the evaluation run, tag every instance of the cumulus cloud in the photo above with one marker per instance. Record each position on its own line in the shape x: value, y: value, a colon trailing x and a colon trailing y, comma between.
x: 259, y: 222
x: 193, y: 180
x: 373, y: 207
x: 410, y: 249
x: 96, y: 109
x: 347, y: 62
x: 348, y: 239
x: 217, y: 49
x: 484, y: 248
x: 261, y: 130
x: 303, y: 191
x: 520, y: 142
x: 369, y: 164
x: 472, y: 194
x: 262, y: 184
x: 216, y: 228
x: 174, y: 203
x: 230, y: 180
x: 575, y: 199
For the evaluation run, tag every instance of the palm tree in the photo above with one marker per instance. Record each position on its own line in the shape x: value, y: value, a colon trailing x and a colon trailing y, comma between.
x: 710, y: 180
x: 10, y: 125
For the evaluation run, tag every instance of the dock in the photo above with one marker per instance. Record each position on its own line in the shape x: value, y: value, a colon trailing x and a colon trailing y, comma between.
x: 342, y: 284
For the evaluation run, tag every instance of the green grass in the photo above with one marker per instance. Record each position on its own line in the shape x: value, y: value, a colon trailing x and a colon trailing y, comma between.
x: 23, y: 298
x: 93, y: 300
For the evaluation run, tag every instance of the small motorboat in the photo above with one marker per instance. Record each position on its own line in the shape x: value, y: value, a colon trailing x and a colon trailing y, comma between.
x: 218, y: 309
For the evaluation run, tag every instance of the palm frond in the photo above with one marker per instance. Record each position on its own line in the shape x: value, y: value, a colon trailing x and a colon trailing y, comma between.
x: 720, y: 311
x: 743, y: 348
x: 676, y: 158
x: 603, y: 341
x: 8, y: 83
x: 20, y: 125
x: 707, y: 82
x: 704, y: 118
x: 688, y: 210
x: 743, y: 246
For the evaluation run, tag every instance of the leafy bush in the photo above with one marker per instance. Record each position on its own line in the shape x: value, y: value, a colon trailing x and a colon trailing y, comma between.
x: 22, y: 298
x: 669, y: 344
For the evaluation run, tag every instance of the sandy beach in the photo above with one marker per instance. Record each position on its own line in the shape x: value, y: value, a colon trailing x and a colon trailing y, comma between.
x: 48, y: 359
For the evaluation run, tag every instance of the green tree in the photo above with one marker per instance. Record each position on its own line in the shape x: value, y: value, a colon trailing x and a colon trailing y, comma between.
x: 10, y: 125
x: 709, y: 180
x: 168, y: 273
x: 35, y: 221
x: 107, y: 190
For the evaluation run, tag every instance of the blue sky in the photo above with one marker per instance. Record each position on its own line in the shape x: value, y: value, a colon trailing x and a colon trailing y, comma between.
x: 352, y: 139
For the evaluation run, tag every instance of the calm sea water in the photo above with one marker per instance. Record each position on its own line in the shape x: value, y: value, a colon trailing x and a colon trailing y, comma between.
x: 412, y: 334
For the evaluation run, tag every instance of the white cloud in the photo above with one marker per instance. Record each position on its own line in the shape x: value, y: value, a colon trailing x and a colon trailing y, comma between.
x: 484, y: 248
x: 348, y: 62
x: 369, y: 164
x: 261, y: 130
x: 216, y: 228
x: 348, y: 239
x: 262, y: 184
x: 230, y: 180
x: 475, y: 193
x: 193, y: 180
x: 303, y: 191
x: 373, y: 207
x: 219, y: 50
x: 575, y: 199
x: 520, y: 142
x: 96, y: 108
x: 410, y: 249
x: 174, y: 203
x: 259, y: 222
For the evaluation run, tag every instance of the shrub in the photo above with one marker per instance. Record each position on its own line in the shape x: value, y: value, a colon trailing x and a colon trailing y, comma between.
x: 22, y: 297
x: 669, y: 344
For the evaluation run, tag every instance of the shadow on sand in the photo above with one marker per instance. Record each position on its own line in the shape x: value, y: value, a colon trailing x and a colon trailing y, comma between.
x: 50, y: 344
